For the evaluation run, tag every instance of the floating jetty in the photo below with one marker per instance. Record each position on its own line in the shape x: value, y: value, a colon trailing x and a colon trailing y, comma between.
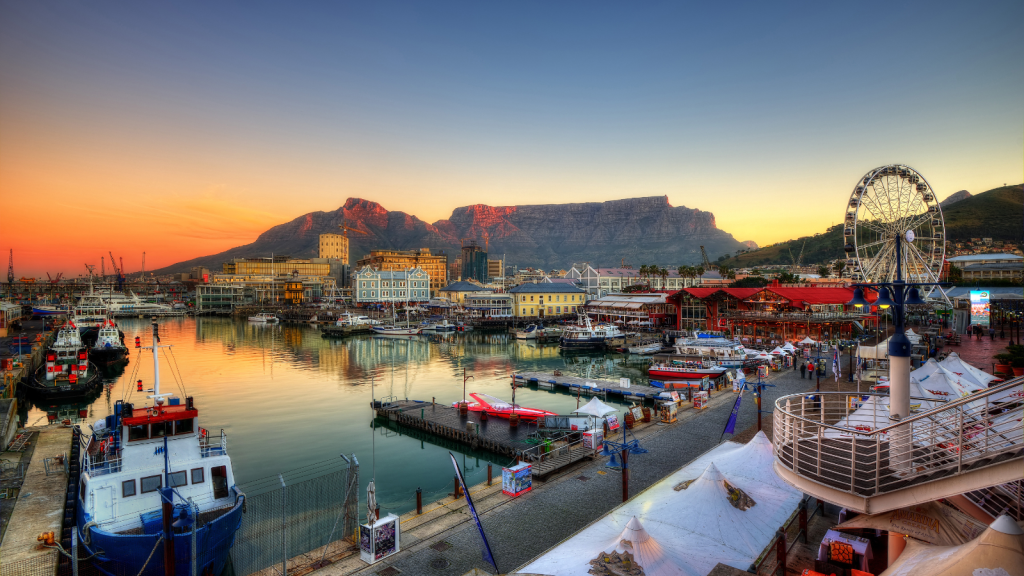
x: 591, y: 386
x: 492, y: 434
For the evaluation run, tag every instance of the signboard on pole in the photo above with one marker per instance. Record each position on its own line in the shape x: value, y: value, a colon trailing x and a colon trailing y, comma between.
x: 979, y: 308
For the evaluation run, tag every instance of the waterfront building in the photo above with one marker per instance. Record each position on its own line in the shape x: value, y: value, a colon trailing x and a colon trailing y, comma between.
x: 600, y: 282
x: 488, y: 305
x: 333, y: 247
x: 642, y: 308
x: 456, y: 292
x: 547, y: 299
x: 434, y: 265
x: 474, y: 263
x: 224, y: 292
x: 775, y: 313
x: 277, y: 266
x: 370, y: 286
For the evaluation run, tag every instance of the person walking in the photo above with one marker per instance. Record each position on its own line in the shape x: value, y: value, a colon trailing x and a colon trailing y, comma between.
x: 991, y: 333
x: 803, y: 370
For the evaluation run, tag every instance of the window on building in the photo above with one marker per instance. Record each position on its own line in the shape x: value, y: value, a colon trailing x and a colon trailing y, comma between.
x: 531, y: 298
x: 183, y: 426
x: 127, y: 488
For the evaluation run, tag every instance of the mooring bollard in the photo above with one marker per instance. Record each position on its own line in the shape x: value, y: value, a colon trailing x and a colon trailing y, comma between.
x: 376, y: 512
x: 458, y: 488
x: 419, y: 500
x: 488, y: 473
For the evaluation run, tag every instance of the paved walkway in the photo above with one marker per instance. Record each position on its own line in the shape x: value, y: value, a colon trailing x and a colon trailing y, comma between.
x: 523, y: 528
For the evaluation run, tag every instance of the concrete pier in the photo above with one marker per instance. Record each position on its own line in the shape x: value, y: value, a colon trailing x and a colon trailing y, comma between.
x: 40, y: 504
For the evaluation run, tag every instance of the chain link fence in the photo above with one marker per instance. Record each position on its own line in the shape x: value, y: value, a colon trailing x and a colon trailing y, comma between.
x: 298, y: 524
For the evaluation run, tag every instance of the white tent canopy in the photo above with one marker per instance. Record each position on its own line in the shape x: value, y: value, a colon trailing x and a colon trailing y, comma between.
x: 788, y: 346
x: 877, y: 352
x: 685, y: 524
x: 595, y: 408
x: 999, y: 550
x: 779, y: 350
x: 807, y: 340
x: 955, y: 364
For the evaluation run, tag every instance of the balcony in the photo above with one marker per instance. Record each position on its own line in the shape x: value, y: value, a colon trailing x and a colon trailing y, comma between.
x: 951, y: 448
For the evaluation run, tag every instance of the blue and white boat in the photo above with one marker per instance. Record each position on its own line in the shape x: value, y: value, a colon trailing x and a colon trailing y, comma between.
x: 587, y: 336
x: 45, y: 310
x: 153, y: 485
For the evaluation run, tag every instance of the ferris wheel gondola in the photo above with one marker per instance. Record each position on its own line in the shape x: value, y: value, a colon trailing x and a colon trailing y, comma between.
x: 893, y: 204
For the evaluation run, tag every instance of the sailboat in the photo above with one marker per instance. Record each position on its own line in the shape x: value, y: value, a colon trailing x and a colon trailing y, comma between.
x: 394, y: 329
x: 137, y: 460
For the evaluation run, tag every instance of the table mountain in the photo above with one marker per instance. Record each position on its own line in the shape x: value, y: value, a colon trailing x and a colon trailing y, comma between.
x: 637, y: 230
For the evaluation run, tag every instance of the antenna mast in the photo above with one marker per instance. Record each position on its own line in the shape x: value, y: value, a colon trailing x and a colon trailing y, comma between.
x: 10, y: 267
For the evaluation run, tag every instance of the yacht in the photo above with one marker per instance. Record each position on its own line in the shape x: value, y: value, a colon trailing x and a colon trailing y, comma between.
x: 397, y: 330
x: 67, y: 372
x: 687, y: 370
x: 586, y: 336
x: 728, y: 353
x: 140, y: 457
x: 264, y: 317
x: 131, y: 305
x: 529, y: 333
x: 645, y: 348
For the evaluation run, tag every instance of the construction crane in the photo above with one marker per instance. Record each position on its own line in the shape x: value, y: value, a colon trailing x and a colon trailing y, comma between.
x: 345, y: 228
x: 55, y: 279
x: 118, y: 272
x: 800, y: 257
x: 10, y: 268
x: 707, y: 263
x: 142, y: 275
x: 103, y: 267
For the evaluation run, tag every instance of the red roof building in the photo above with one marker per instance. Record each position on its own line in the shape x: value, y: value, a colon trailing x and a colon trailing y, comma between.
x: 773, y: 314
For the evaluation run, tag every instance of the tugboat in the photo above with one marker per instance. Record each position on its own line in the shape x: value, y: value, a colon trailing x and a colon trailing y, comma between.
x: 67, y: 372
x: 150, y: 477
x: 108, y: 347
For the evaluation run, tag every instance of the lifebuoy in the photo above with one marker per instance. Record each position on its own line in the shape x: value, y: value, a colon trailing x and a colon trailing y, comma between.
x: 153, y: 413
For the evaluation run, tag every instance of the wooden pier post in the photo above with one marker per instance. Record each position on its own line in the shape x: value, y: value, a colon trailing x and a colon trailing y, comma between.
x: 458, y: 488
x: 625, y: 475
x: 488, y: 473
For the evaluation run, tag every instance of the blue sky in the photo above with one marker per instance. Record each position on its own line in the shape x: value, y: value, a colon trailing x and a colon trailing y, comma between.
x: 250, y: 114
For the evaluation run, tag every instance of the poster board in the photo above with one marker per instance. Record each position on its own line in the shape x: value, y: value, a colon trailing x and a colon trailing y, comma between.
x: 613, y: 421
x: 675, y: 396
x: 638, y: 413
x: 700, y: 400
x: 979, y: 307
x: 379, y: 540
x: 668, y: 412
x: 593, y: 439
x: 517, y: 479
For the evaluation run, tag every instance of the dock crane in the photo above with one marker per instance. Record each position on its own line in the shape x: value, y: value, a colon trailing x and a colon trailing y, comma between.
x: 345, y: 228
x: 10, y: 268
x: 118, y: 271
x: 800, y: 257
x: 707, y: 263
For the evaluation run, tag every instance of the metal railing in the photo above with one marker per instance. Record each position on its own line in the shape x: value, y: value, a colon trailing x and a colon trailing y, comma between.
x: 774, y: 557
x: 823, y: 438
x: 106, y: 461
x: 793, y: 316
x: 212, y: 446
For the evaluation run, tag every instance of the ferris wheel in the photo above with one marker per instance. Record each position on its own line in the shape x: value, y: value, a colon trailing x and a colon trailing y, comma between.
x: 889, y: 205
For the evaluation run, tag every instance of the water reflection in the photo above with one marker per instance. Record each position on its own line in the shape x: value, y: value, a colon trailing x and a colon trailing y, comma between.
x: 288, y: 398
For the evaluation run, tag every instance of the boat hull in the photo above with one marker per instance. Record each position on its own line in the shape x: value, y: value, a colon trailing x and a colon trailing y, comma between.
x: 48, y: 311
x: 579, y: 344
x: 38, y: 387
x: 123, y: 555
x: 695, y: 373
x: 107, y: 356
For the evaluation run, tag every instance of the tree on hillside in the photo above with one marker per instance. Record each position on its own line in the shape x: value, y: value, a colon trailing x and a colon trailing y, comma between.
x: 727, y: 272
x: 751, y: 282
x: 823, y: 271
x: 787, y: 278
x: 839, y: 266
x: 955, y: 274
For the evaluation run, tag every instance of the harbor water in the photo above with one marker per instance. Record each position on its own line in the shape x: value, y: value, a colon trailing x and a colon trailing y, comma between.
x: 292, y: 402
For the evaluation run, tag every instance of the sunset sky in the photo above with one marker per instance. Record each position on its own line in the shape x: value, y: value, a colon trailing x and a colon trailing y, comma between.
x: 186, y: 128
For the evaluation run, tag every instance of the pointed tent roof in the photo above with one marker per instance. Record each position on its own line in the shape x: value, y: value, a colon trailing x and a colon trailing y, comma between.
x: 788, y: 346
x: 807, y: 340
x: 646, y: 551
x: 595, y: 408
x: 999, y: 550
x: 955, y: 364
x: 924, y: 371
x: 778, y: 350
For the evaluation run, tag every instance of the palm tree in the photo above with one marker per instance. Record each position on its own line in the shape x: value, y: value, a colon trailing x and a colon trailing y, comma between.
x: 663, y: 272
x: 644, y: 271
x: 840, y: 266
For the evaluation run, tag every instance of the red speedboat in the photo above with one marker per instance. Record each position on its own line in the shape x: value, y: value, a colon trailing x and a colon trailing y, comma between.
x: 688, y: 370
x: 498, y: 407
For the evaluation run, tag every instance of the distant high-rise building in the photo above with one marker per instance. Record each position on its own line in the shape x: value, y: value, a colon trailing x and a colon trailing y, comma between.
x: 334, y: 247
x: 494, y: 269
x: 474, y: 263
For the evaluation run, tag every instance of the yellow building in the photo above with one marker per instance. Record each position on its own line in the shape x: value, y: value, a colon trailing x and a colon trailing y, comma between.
x: 435, y: 265
x: 495, y: 269
x: 277, y: 266
x: 334, y: 246
x: 456, y: 292
x: 545, y: 299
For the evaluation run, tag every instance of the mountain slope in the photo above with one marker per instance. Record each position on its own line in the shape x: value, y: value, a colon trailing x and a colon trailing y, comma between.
x: 639, y: 230
x: 996, y: 214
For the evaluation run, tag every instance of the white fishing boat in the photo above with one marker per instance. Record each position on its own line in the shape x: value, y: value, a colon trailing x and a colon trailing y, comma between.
x: 587, y: 336
x: 130, y: 304
x: 109, y: 346
x: 529, y: 333
x: 141, y: 457
x: 645, y: 348
x: 264, y: 318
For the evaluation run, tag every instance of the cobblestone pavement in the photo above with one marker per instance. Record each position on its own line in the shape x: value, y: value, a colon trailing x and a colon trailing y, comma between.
x: 521, y: 529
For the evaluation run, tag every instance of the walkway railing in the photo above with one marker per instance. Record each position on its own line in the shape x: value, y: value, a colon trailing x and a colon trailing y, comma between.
x: 213, y: 446
x: 816, y: 439
x: 794, y: 316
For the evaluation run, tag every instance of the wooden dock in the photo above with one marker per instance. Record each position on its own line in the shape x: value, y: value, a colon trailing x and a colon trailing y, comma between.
x: 637, y: 392
x: 493, y: 435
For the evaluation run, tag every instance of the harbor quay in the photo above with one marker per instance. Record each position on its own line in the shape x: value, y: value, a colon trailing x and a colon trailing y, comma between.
x: 444, y: 538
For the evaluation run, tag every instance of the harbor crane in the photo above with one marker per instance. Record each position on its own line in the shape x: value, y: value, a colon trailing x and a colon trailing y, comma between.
x: 800, y: 257
x: 345, y: 228
x: 10, y: 268
x: 54, y: 280
x: 118, y: 272
x: 707, y: 263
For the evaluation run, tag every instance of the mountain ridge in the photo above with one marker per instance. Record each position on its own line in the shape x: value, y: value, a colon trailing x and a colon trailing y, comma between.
x: 640, y: 230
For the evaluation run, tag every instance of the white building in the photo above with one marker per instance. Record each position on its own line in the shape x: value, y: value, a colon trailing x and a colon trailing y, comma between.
x: 373, y: 286
x: 599, y: 282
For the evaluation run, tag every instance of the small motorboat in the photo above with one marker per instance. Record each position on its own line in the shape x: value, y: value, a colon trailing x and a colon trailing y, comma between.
x: 264, y: 317
x: 397, y: 330
x: 644, y: 349
x: 528, y: 333
x: 498, y: 407
x: 686, y: 370
x: 108, y: 347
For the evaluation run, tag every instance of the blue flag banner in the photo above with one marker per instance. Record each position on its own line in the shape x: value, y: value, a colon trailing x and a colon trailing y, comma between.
x: 472, y: 510
x: 730, y: 426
